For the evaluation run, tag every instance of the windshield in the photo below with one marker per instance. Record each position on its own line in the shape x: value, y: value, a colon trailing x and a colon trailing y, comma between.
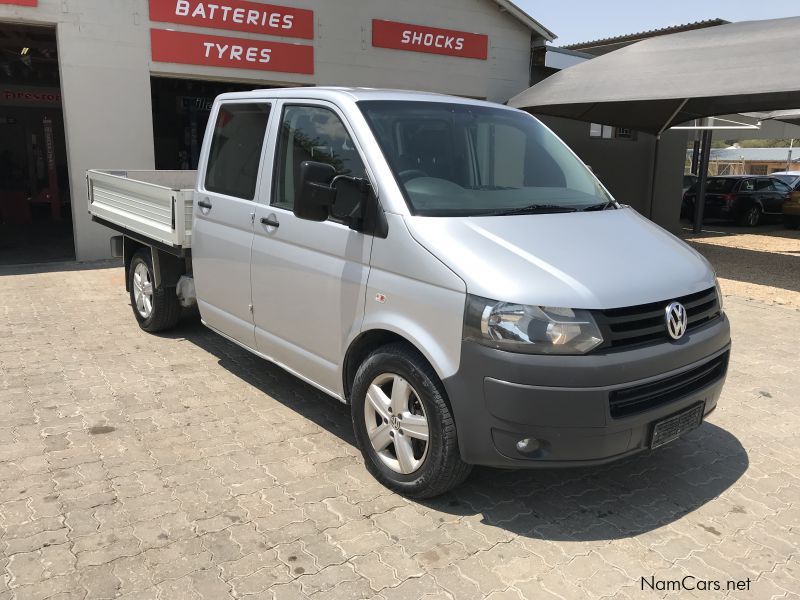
x: 789, y: 180
x: 462, y: 159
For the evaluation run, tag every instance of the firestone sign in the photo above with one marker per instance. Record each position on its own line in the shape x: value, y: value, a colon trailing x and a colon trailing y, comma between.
x: 21, y: 2
x: 218, y: 51
x: 236, y: 15
x: 433, y: 40
x: 12, y: 95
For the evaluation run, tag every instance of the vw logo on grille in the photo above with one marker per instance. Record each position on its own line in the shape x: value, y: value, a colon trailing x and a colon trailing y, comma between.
x: 677, y: 320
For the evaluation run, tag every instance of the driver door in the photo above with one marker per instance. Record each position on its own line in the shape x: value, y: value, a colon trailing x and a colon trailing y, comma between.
x: 309, y: 278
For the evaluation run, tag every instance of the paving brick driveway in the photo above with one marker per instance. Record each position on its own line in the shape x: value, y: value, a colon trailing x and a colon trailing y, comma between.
x: 182, y: 467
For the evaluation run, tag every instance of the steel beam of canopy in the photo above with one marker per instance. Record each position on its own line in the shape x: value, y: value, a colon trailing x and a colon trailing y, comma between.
x: 700, y: 200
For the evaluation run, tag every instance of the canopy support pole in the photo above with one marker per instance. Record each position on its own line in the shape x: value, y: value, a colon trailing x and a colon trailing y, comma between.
x: 653, y: 173
x: 700, y: 198
x: 667, y: 123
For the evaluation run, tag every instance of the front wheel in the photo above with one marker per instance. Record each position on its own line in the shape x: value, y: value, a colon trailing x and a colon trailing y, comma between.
x: 403, y: 424
x: 791, y: 222
x: 155, y: 309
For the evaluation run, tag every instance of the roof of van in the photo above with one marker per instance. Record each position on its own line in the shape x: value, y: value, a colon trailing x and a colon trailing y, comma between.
x: 354, y: 94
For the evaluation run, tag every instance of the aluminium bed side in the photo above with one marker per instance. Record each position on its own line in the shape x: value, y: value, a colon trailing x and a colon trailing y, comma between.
x: 155, y: 206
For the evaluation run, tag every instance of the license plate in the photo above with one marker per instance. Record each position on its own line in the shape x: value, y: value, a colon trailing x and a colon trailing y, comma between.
x: 675, y: 426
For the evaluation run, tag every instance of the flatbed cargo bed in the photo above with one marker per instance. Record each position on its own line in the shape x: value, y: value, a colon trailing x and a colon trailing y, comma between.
x: 155, y: 205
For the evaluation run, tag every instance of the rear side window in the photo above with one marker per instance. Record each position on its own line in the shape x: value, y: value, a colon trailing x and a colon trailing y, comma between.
x: 748, y: 185
x: 236, y: 149
x: 717, y: 185
x: 765, y: 185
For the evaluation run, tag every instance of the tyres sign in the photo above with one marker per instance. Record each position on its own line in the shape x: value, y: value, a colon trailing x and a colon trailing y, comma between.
x: 217, y: 51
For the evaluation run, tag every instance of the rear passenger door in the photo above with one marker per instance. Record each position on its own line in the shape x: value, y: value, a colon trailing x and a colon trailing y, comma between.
x: 224, y: 210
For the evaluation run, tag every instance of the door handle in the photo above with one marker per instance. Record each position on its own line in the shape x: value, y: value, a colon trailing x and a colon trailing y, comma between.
x: 270, y: 221
x: 205, y: 203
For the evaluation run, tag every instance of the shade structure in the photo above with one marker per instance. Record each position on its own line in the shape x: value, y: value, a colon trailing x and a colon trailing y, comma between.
x: 786, y: 116
x: 659, y: 82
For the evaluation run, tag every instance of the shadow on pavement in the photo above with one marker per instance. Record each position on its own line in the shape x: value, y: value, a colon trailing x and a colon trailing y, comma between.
x: 55, y: 267
x: 623, y: 499
x: 303, y: 398
x: 620, y: 500
x: 770, y: 269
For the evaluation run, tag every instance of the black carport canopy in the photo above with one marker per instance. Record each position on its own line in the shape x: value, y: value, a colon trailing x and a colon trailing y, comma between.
x: 659, y: 82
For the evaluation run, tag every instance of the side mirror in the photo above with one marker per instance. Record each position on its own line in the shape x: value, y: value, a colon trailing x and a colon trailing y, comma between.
x: 315, y: 196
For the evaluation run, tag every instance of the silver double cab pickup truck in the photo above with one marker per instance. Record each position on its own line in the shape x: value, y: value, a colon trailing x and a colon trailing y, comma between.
x: 447, y: 267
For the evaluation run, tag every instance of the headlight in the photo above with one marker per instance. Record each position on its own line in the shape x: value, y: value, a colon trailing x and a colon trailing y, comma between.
x: 719, y: 295
x: 530, y: 329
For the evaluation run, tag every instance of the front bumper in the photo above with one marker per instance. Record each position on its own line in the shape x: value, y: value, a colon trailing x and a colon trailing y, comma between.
x: 564, y: 402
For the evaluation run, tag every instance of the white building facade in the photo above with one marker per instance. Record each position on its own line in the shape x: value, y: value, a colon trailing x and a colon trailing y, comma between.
x: 135, y: 78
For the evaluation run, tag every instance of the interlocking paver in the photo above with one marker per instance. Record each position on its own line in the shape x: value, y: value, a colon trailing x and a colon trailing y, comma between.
x: 180, y: 466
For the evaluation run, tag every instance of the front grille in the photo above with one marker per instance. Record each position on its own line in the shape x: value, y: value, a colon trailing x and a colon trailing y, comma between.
x: 630, y: 401
x: 646, y: 323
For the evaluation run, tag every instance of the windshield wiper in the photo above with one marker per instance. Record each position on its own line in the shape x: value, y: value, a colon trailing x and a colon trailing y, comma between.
x: 600, y: 206
x: 532, y: 209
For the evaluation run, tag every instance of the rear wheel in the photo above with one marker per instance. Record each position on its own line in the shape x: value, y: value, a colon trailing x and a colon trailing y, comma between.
x: 403, y: 424
x: 751, y: 216
x: 155, y: 309
x: 791, y: 222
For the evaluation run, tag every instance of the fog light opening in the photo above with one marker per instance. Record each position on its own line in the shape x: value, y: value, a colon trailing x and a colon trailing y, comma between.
x: 528, y: 445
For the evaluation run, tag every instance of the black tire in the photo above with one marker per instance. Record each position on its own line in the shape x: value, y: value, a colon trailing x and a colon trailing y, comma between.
x: 165, y: 310
x: 750, y: 217
x: 791, y: 222
x: 442, y: 468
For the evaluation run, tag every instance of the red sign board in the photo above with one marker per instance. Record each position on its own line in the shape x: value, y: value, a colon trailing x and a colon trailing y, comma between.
x: 217, y: 51
x: 237, y: 15
x: 21, y: 2
x: 419, y: 38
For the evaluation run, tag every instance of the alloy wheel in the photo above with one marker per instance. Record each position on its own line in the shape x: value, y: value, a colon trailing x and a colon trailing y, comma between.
x: 143, y: 290
x: 396, y: 423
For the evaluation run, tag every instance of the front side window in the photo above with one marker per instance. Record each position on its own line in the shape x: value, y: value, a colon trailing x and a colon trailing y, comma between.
x: 317, y: 134
x: 462, y: 159
x: 765, y: 185
x: 235, y: 153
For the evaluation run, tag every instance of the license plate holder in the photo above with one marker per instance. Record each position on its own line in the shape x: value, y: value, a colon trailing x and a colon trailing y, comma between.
x: 674, y: 426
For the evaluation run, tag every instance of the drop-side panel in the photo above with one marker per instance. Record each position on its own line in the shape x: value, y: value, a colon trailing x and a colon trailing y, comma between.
x: 154, y: 204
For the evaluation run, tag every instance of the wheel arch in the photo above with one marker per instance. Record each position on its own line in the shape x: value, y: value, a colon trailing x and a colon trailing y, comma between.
x: 129, y: 248
x: 365, y: 343
x: 167, y: 268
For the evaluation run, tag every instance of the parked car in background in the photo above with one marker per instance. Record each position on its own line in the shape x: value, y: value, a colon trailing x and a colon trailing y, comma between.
x: 791, y: 210
x: 744, y: 199
x: 790, y: 178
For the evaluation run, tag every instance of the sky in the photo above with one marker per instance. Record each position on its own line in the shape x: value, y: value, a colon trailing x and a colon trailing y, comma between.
x: 584, y: 20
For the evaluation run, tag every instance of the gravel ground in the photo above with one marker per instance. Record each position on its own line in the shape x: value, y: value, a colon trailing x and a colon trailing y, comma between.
x: 762, y: 264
